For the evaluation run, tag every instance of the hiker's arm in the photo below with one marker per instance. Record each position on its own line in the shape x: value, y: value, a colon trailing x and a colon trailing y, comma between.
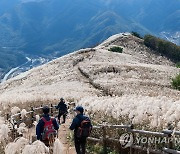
x: 74, y: 124
x: 56, y: 125
x: 57, y: 107
x: 66, y: 108
x: 38, y: 130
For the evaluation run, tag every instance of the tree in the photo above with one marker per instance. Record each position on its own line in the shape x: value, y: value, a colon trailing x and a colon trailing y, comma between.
x: 176, y: 82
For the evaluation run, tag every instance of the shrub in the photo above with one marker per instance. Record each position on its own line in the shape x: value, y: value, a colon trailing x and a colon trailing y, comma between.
x: 166, y: 48
x: 136, y: 34
x: 116, y: 49
x: 150, y: 41
x: 178, y: 64
x: 98, y: 149
x: 176, y: 82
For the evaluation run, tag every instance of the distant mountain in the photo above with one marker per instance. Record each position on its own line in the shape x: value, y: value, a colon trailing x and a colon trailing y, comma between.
x: 52, y: 28
x: 44, y: 27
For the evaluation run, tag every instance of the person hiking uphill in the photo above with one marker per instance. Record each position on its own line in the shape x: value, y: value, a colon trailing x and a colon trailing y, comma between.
x: 62, y: 110
x: 82, y: 126
x: 47, y: 127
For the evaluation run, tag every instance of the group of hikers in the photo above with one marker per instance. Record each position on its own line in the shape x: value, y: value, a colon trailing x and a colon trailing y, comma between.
x: 47, y: 127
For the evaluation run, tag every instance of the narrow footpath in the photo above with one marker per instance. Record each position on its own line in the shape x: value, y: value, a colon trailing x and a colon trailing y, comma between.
x: 64, y: 135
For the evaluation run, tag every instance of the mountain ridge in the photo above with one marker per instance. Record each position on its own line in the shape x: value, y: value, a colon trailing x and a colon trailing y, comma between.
x: 42, y: 29
x: 134, y: 54
x: 133, y: 86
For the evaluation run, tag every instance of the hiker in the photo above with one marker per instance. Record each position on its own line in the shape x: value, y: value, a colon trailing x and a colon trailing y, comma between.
x: 62, y: 110
x: 82, y: 127
x: 47, y: 127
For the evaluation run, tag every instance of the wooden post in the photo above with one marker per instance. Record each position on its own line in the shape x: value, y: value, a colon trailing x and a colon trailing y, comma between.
x: 41, y: 110
x: 170, y: 127
x: 7, y: 117
x: 51, y: 110
x: 170, y: 139
x: 20, y: 117
x: 19, y: 120
x: 14, y: 132
x: 32, y: 115
x: 104, y: 140
x: 131, y: 149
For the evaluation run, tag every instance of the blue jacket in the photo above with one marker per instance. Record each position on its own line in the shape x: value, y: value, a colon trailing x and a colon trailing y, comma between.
x: 40, y: 126
x: 77, y: 122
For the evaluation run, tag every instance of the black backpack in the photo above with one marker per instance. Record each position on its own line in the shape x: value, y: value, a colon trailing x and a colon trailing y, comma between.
x: 84, y: 130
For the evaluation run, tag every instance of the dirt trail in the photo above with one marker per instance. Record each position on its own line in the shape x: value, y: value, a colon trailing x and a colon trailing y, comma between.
x: 63, y: 135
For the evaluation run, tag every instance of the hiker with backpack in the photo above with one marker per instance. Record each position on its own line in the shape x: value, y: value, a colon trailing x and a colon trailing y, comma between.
x: 62, y: 110
x: 47, y: 127
x: 82, y: 127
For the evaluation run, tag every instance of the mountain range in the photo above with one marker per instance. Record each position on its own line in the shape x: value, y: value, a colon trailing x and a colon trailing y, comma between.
x: 52, y: 28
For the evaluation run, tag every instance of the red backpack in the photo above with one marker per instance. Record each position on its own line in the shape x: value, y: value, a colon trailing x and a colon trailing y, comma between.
x: 49, y: 131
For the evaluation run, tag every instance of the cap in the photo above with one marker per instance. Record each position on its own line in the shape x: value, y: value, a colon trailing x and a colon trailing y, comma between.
x: 45, y: 109
x: 79, y: 108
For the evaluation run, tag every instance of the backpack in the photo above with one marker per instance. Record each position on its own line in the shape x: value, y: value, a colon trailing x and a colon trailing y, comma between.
x: 84, y: 129
x: 63, y: 112
x: 49, y: 132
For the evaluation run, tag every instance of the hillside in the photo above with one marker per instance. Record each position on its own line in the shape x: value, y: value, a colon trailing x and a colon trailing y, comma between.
x: 133, y: 84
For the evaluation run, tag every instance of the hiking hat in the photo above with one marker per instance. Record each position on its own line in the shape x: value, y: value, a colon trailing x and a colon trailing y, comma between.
x: 45, y: 109
x: 79, y: 108
x: 61, y: 99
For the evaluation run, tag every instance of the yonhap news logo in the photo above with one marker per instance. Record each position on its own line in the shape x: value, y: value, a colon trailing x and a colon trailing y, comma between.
x: 126, y: 140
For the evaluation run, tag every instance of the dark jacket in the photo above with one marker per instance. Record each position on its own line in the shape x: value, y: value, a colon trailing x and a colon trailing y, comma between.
x: 62, y: 106
x: 40, y: 126
x: 77, y: 122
